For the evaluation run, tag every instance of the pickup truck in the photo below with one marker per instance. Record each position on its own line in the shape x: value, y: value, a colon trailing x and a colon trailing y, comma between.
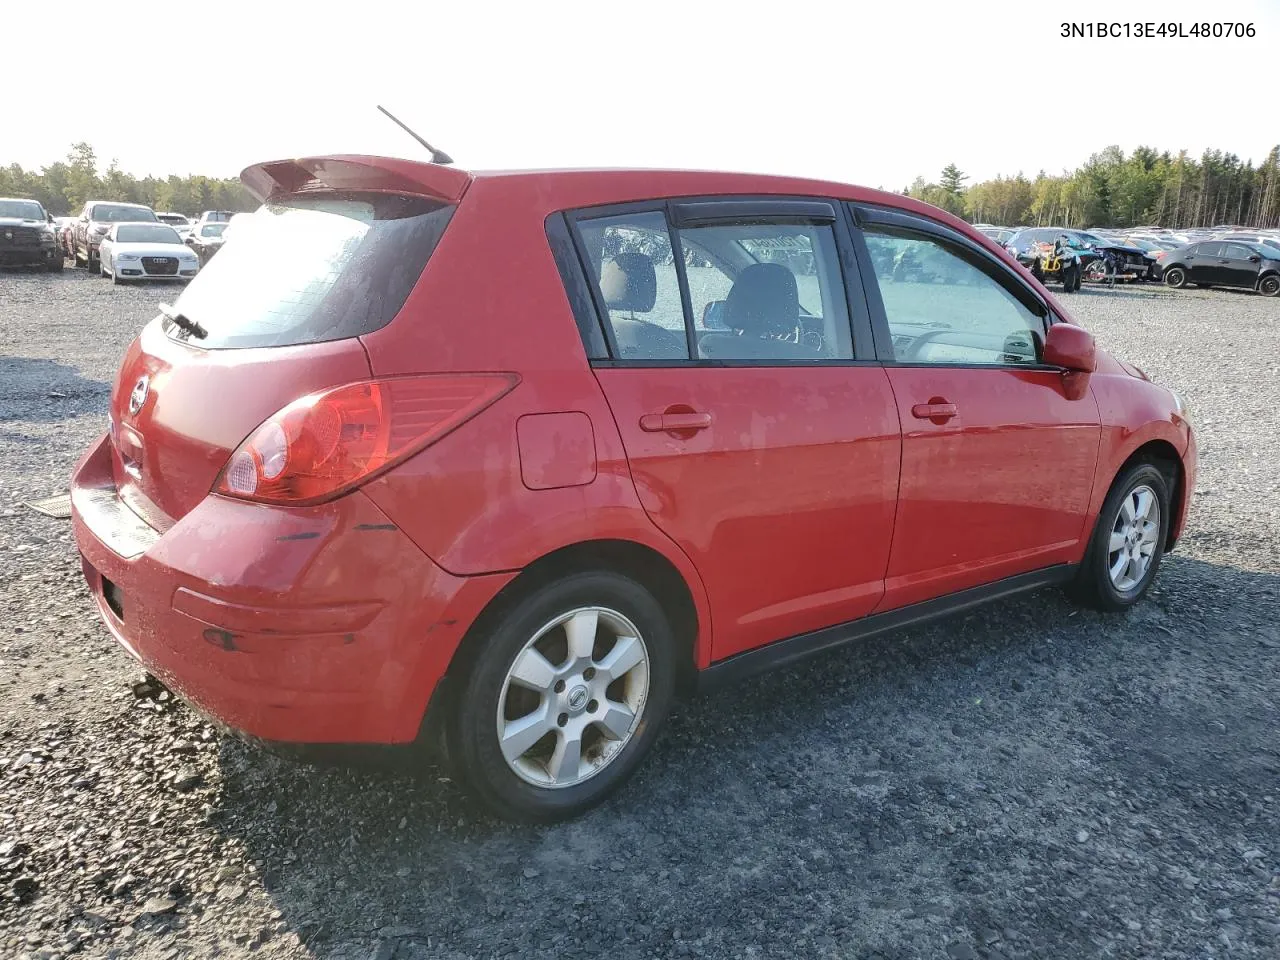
x: 27, y: 235
x: 96, y: 219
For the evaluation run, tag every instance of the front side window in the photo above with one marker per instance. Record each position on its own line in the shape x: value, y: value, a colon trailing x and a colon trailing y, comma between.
x: 944, y: 308
x: 766, y: 291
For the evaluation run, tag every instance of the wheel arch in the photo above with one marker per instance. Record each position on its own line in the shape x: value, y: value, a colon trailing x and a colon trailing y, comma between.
x: 1165, y: 457
x: 647, y: 566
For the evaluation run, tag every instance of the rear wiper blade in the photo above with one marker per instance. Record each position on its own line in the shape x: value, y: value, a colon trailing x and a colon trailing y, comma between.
x: 184, y: 322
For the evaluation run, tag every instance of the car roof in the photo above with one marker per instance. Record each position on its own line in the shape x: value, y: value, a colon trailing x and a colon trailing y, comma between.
x: 555, y: 189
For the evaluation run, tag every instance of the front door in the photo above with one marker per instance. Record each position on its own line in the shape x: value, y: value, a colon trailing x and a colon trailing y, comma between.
x: 997, y: 461
x: 755, y: 440
x: 1240, y: 265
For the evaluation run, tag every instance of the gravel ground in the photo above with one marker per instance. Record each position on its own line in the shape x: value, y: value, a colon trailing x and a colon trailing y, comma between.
x: 1028, y: 781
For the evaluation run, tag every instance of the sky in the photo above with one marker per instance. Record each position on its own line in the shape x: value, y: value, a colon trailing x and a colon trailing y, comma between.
x: 868, y: 93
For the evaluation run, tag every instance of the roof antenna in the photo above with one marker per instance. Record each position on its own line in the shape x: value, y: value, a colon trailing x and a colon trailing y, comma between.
x: 437, y: 156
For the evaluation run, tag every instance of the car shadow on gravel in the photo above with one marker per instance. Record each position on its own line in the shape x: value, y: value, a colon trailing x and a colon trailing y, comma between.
x: 39, y: 390
x: 963, y: 784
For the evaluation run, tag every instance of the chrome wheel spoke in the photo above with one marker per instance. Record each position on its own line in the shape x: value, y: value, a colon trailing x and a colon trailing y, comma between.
x: 1118, y: 567
x: 565, y: 765
x: 1117, y: 542
x: 1150, y: 533
x: 1126, y: 509
x: 518, y: 736
x: 1143, y: 499
x: 580, y: 632
x: 626, y: 653
x: 533, y: 671
x: 616, y: 719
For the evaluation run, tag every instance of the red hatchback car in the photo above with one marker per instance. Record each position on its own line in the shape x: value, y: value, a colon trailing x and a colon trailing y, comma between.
x: 520, y: 457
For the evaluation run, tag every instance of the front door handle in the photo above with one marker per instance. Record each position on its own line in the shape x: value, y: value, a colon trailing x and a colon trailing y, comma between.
x: 674, y: 422
x: 937, y: 410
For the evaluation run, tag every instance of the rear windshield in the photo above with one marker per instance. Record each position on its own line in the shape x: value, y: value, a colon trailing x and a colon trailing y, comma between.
x: 147, y: 233
x: 212, y: 229
x: 115, y: 213
x: 312, y: 268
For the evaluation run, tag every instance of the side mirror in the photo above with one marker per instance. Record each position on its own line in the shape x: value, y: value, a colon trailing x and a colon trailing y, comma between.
x: 1071, y: 348
x: 713, y: 315
x: 1255, y: 259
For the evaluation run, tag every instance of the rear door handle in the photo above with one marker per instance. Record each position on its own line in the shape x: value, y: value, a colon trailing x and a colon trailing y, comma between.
x: 935, y: 410
x: 671, y: 422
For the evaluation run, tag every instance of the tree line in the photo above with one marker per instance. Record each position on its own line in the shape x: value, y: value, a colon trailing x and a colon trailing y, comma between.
x: 64, y: 186
x: 1111, y: 189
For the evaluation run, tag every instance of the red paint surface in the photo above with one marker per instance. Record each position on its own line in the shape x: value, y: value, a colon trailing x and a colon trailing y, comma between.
x: 796, y: 498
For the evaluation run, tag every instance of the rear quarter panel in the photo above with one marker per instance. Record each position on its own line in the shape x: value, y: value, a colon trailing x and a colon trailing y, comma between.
x: 491, y: 299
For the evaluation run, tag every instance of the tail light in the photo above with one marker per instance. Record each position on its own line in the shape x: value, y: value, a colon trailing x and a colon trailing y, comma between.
x: 324, y: 444
x: 1161, y: 254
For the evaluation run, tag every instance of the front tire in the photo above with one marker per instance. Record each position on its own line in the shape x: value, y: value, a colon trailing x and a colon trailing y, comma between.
x: 1128, y: 541
x: 564, y: 698
x: 1175, y: 277
x: 56, y: 264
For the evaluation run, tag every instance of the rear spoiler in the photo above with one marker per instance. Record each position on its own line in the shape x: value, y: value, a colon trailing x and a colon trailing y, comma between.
x: 377, y: 174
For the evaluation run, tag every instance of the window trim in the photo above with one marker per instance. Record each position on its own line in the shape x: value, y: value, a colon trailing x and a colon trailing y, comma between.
x: 577, y: 287
x: 868, y: 215
x: 687, y: 214
x: 778, y: 208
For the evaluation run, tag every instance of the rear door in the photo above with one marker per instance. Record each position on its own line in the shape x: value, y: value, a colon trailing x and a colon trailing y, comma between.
x: 1203, y: 265
x: 761, y: 435
x: 997, y: 462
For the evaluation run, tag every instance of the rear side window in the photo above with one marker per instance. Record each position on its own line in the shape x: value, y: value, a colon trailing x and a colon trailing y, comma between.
x: 312, y: 268
x: 631, y: 262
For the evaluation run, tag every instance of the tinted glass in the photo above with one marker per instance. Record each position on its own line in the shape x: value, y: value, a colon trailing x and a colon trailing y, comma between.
x: 944, y: 308
x: 1238, y: 251
x: 147, y: 233
x: 118, y: 213
x: 767, y: 291
x: 634, y: 271
x: 1207, y: 250
x: 212, y: 229
x: 313, y: 268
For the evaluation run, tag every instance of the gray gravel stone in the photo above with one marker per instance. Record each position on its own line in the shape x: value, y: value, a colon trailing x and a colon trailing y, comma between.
x: 791, y: 812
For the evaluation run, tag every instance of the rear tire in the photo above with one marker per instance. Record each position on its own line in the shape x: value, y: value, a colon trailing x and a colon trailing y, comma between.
x: 1175, y: 277
x: 535, y: 782
x: 1128, y: 541
x: 1269, y: 286
x: 56, y: 264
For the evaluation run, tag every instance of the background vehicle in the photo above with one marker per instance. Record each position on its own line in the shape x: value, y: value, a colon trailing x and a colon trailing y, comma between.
x: 206, y: 239
x: 28, y: 236
x: 548, y: 481
x: 1225, y: 263
x: 96, y: 219
x: 1253, y: 238
x: 178, y: 221
x: 141, y: 251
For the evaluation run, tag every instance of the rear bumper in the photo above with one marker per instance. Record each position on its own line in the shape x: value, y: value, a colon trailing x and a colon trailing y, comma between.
x: 302, y: 625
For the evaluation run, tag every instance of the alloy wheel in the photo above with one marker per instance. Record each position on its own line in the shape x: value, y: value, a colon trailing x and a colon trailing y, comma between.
x: 1135, y: 534
x: 573, y: 697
